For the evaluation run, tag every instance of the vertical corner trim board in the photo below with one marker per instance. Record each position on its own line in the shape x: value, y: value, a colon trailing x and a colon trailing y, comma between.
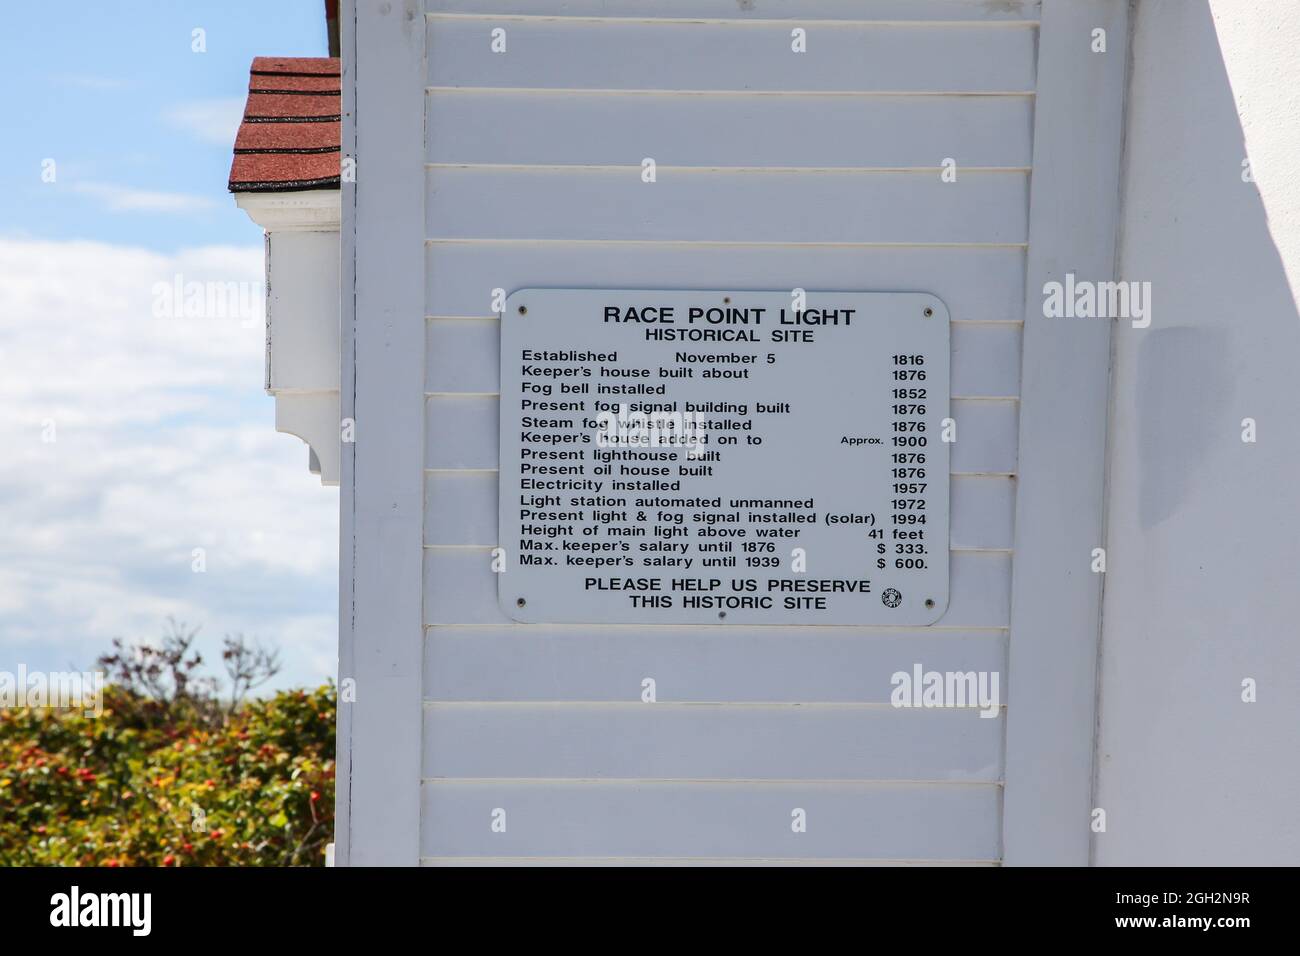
x: 347, y: 461
x: 1056, y: 599
x: 384, y: 486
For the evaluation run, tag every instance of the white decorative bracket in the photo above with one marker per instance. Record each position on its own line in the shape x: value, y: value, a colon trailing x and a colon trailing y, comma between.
x: 302, y: 317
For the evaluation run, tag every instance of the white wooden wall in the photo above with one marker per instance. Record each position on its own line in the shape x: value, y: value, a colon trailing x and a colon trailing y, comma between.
x: 775, y: 170
x: 1204, y: 528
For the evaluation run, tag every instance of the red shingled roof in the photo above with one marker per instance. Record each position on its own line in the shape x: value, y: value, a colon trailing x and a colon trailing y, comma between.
x: 289, y: 139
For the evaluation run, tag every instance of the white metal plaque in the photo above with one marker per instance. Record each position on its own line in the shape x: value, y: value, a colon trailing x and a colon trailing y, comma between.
x: 724, y: 457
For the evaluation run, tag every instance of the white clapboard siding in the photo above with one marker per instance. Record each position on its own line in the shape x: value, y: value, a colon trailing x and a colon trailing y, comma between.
x: 461, y: 510
x: 460, y: 587
x: 462, y: 433
x: 464, y: 508
x: 982, y: 510
x: 463, y: 358
x: 985, y: 360
x: 616, y: 54
x: 492, y: 127
x: 840, y: 206
x: 721, y: 820
x: 976, y: 283
x: 993, y: 12
x: 710, y: 742
x: 987, y: 435
x: 762, y: 664
x: 775, y: 170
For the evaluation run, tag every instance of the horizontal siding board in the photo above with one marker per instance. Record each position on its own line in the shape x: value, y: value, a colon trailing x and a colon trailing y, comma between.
x: 979, y: 589
x: 625, y: 55
x: 717, y: 206
x: 886, y: 10
x: 710, y: 741
x: 986, y: 437
x: 889, y: 132
x: 975, y: 283
x: 698, y: 665
x: 665, y: 820
x: 461, y: 588
x: 463, y: 356
x: 463, y: 429
x: 982, y: 509
x: 985, y: 360
x: 461, y: 510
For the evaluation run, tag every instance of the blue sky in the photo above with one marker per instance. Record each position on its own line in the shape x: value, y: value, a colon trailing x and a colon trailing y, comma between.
x: 115, y: 95
x: 134, y: 439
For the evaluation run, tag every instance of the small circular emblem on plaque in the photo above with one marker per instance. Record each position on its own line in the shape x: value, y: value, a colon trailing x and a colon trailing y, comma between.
x: 890, y: 597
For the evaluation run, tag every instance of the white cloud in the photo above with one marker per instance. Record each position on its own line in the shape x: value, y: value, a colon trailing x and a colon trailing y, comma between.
x: 164, y: 443
x: 129, y: 199
x: 212, y: 121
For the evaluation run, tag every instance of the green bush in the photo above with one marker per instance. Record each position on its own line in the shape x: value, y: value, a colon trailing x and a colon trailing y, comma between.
x: 174, y: 782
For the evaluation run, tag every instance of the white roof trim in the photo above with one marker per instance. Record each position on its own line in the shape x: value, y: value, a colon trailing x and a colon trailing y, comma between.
x: 309, y: 210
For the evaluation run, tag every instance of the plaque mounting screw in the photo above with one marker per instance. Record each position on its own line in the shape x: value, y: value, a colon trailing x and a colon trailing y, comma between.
x: 929, y: 602
x: 521, y: 603
x: 927, y: 311
x: 722, y: 615
x: 523, y: 310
